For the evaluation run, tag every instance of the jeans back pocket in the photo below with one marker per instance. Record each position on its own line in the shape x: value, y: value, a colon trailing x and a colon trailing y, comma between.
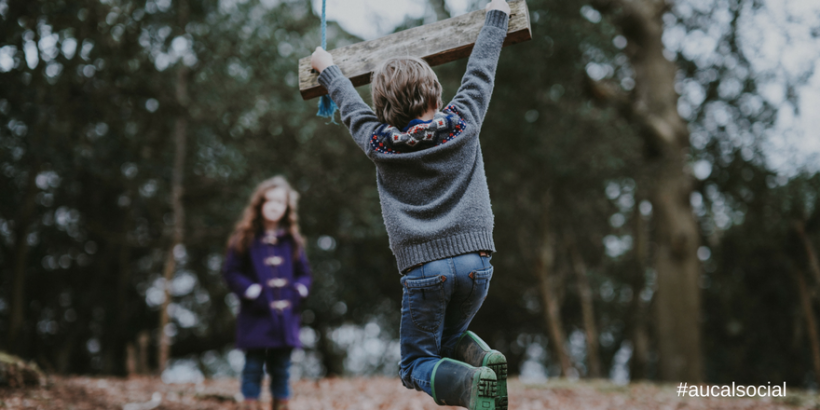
x: 425, y: 301
x: 481, y: 286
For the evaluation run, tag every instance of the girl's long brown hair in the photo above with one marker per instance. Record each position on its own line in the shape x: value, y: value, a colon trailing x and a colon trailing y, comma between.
x: 252, y: 222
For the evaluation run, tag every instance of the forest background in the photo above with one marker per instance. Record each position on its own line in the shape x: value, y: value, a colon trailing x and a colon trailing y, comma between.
x: 657, y: 206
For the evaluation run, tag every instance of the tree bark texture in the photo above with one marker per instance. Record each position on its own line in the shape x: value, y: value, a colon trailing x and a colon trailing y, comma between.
x: 177, y: 190
x: 653, y: 106
x: 587, y: 308
x: 544, y: 272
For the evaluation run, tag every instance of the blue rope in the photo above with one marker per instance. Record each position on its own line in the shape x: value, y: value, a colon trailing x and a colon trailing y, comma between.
x: 327, y: 108
x: 324, y: 24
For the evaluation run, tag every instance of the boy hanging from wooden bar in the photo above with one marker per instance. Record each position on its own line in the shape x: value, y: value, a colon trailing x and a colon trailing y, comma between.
x: 436, y: 207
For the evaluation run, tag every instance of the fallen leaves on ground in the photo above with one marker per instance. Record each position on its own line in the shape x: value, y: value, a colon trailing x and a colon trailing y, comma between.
x: 378, y: 393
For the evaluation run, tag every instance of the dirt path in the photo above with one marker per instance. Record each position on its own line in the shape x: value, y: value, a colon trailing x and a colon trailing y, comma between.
x: 86, y: 393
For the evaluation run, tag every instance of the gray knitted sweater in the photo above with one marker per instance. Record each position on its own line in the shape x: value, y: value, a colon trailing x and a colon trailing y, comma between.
x: 430, y: 176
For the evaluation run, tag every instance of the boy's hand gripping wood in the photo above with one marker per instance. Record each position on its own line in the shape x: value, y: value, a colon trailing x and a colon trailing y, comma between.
x: 320, y: 59
x: 437, y: 43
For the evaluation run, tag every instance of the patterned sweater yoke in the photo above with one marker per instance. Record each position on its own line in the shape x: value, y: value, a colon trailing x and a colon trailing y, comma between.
x: 431, y: 180
x: 445, y: 126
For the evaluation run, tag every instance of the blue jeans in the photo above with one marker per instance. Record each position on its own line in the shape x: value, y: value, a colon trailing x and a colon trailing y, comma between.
x: 439, y: 301
x: 278, y: 364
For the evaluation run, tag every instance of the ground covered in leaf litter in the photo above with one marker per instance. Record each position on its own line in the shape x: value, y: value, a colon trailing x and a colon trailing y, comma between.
x: 143, y: 393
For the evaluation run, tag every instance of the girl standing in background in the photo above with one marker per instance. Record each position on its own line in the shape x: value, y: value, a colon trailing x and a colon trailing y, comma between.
x: 267, y: 268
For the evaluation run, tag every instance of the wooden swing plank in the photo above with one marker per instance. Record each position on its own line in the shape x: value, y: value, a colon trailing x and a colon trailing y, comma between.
x: 437, y: 43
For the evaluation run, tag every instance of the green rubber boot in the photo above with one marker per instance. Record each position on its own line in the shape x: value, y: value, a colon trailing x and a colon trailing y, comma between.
x: 472, y: 350
x: 459, y: 384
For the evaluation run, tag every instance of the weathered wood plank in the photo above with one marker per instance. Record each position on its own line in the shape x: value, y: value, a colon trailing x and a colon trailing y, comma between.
x: 437, y: 43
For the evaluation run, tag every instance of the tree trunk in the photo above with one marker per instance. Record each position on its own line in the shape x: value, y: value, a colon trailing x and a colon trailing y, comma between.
x: 678, y: 296
x: 811, y: 321
x: 653, y: 106
x: 332, y: 359
x: 143, y: 342
x: 545, y: 263
x: 177, y: 189
x: 64, y: 352
x: 121, y: 332
x: 130, y: 360
x: 587, y: 307
x: 811, y: 255
x: 639, y: 365
x: 17, y: 308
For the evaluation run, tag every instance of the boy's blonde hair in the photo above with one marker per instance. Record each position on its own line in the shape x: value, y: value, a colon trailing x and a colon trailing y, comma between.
x: 404, y: 88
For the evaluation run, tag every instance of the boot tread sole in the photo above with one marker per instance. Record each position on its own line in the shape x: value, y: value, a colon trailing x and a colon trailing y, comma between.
x: 500, y: 369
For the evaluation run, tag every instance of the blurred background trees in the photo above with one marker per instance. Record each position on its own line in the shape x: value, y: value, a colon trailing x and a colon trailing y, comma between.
x: 109, y: 110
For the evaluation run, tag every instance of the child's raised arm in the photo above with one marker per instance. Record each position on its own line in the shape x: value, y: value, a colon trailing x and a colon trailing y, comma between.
x: 473, y: 97
x: 356, y: 115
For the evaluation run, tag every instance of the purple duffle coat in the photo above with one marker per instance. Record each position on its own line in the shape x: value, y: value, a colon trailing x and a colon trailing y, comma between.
x: 259, y: 324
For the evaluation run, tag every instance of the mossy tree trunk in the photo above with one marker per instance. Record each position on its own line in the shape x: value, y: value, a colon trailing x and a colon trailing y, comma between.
x: 653, y: 106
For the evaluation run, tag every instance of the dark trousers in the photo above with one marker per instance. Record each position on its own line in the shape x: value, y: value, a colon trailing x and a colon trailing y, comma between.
x: 278, y: 363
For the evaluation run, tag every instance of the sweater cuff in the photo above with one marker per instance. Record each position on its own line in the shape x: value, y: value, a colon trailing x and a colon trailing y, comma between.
x: 329, y: 75
x: 497, y: 18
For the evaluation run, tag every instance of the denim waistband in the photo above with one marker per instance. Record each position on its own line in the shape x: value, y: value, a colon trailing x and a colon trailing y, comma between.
x: 481, y: 253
